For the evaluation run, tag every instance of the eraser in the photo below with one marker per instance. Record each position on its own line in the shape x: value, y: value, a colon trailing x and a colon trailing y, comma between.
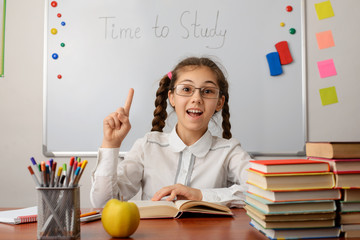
x: 284, y: 52
x: 274, y: 63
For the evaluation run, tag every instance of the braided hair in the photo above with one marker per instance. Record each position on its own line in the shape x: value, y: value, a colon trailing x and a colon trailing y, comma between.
x: 168, y: 83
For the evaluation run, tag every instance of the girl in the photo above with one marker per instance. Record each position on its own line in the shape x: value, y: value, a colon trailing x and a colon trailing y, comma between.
x: 188, y: 162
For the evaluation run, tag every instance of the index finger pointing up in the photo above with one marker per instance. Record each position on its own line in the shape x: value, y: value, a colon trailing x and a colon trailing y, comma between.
x: 129, y: 101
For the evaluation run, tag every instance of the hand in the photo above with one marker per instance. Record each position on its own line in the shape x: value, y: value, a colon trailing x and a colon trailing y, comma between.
x: 117, y: 125
x: 178, y: 191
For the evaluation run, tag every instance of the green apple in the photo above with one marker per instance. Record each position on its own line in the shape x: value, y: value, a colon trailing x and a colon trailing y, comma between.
x: 119, y: 218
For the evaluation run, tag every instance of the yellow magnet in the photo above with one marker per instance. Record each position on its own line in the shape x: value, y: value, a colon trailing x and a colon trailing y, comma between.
x: 282, y: 24
x: 53, y: 31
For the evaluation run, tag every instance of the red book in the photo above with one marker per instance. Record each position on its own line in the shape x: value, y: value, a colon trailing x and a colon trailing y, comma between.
x: 279, y: 166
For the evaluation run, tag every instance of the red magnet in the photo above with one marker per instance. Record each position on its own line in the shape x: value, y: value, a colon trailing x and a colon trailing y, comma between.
x: 59, y: 76
x: 289, y: 8
x: 284, y: 52
x: 59, y: 15
x: 53, y: 3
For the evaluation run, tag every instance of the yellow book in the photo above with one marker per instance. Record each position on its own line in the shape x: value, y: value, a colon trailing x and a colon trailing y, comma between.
x: 291, y: 181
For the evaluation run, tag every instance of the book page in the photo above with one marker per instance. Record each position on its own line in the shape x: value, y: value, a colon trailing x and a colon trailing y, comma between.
x: 154, y: 203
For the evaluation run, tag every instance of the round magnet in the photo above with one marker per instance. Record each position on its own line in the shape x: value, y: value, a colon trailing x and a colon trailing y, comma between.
x: 289, y: 8
x: 59, y: 76
x: 292, y: 30
x: 55, y: 56
x: 53, y: 3
x: 59, y: 15
x: 62, y: 44
x: 53, y: 31
x: 282, y: 24
x: 63, y: 23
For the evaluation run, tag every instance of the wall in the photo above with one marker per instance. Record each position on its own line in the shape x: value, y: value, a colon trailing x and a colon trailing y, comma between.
x: 21, y: 105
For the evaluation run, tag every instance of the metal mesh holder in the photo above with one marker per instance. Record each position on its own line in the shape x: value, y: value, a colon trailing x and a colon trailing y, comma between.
x: 58, y: 213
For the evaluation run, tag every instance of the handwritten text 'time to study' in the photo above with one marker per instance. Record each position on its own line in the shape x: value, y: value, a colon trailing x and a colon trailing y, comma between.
x: 189, y: 25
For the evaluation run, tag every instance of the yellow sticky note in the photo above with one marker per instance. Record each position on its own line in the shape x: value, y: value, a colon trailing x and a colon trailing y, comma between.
x: 328, y: 96
x: 325, y: 39
x: 324, y: 10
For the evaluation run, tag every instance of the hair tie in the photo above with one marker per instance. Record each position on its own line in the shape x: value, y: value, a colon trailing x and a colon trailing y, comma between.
x: 169, y: 75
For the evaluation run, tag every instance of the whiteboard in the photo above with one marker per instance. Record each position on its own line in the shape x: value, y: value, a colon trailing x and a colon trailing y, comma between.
x: 113, y: 45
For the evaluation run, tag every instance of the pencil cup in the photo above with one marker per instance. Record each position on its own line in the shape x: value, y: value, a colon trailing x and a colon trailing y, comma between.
x: 58, y: 213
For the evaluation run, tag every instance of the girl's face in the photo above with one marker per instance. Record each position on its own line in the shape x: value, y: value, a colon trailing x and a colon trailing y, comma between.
x: 194, y: 112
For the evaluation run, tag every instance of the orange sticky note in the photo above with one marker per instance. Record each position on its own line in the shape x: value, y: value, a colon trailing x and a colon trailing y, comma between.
x: 325, y: 39
x: 324, y: 10
x: 328, y: 96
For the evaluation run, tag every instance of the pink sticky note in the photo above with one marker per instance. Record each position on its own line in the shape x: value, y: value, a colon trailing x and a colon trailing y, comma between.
x: 325, y: 39
x: 326, y: 68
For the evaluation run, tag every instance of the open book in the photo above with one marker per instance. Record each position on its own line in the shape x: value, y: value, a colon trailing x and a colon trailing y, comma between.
x: 169, y: 209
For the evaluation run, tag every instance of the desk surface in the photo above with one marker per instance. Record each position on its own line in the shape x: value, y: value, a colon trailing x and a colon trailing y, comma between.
x: 184, y: 228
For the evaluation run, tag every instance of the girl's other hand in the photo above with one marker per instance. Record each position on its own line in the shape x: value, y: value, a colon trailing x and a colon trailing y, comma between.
x: 117, y: 125
x: 176, y: 192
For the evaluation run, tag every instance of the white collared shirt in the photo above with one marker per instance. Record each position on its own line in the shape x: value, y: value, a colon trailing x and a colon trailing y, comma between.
x: 214, y: 165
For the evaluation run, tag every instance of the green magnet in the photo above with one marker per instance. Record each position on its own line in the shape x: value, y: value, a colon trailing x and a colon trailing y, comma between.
x: 292, y: 30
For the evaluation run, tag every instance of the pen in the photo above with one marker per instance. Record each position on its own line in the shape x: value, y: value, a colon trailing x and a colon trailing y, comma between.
x: 89, y: 213
x: 68, y: 175
x: 34, y: 176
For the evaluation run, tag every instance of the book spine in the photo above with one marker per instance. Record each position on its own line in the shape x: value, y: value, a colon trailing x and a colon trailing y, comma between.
x: 27, y: 219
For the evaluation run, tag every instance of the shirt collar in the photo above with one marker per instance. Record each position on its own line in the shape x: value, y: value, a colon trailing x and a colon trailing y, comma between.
x: 199, y: 148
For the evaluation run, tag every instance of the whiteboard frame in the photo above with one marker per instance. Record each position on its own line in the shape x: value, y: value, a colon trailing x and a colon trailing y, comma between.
x: 253, y: 154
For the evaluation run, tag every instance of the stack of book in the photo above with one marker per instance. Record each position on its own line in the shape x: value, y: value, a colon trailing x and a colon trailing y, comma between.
x: 292, y: 198
x: 344, y: 161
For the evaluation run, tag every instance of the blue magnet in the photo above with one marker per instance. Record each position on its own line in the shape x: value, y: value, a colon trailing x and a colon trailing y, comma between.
x: 63, y: 23
x: 274, y: 63
x: 55, y: 56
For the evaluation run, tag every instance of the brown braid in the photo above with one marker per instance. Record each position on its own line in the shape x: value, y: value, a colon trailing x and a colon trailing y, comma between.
x: 160, y: 113
x: 167, y: 84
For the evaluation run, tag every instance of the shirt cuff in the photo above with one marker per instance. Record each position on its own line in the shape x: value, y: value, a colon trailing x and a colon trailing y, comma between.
x: 107, y: 162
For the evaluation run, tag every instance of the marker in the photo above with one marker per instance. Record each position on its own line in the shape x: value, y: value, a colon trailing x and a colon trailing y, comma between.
x: 62, y: 179
x: 68, y: 175
x: 34, y: 176
x: 47, y: 175
x: 41, y: 176
x: 34, y: 166
x: 75, y: 167
x: 58, y: 177
x: 43, y: 173
x: 53, y: 169
x: 76, y: 176
x: 83, y: 165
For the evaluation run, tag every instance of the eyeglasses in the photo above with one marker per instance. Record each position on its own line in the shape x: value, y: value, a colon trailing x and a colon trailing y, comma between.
x: 186, y: 90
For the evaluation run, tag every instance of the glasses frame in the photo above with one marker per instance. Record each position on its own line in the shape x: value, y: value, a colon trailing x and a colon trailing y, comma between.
x: 201, y: 90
